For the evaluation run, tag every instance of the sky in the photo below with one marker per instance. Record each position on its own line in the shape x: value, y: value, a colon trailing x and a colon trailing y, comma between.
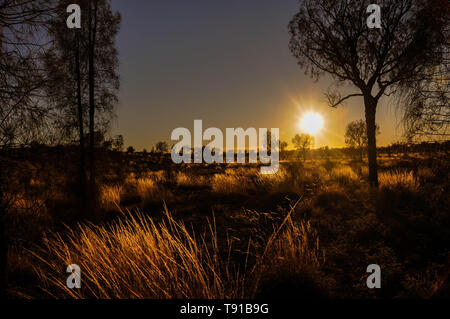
x: 227, y: 63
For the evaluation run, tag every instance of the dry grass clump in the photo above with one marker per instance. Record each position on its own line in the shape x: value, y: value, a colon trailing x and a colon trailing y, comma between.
x: 110, y: 197
x: 297, y: 177
x: 189, y: 180
x: 23, y: 206
x: 226, y: 184
x: 344, y: 174
x: 138, y: 258
x: 290, y: 261
x: 271, y: 182
x: 25, y: 216
x: 398, y: 178
x: 151, y: 191
x: 146, y: 188
x: 250, y: 179
x: 235, y: 181
x: 289, y: 178
x: 157, y: 176
x: 296, y: 246
x: 149, y: 187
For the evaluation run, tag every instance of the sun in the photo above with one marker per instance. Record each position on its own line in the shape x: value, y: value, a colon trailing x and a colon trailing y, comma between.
x: 311, y: 123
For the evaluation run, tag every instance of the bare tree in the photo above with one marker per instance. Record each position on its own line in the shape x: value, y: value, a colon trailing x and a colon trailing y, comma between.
x: 426, y: 102
x: 283, y: 147
x: 356, y: 136
x: 64, y: 63
x: 21, y: 113
x: 162, y: 147
x: 333, y: 37
x: 303, y: 142
x: 82, y: 77
x: 103, y: 26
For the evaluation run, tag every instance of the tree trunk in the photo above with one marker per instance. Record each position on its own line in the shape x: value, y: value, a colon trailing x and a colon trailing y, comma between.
x: 82, y: 167
x: 91, y: 96
x: 92, y: 37
x: 370, y: 108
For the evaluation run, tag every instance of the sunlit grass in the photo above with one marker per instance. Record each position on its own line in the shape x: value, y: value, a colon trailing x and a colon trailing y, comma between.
x: 399, y: 178
x: 110, y: 197
x: 189, y: 180
x: 137, y: 257
x: 234, y: 181
x: 343, y: 174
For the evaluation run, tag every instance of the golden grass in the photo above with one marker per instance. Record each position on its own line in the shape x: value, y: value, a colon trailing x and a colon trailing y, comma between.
x: 293, y: 245
x: 188, y: 180
x: 139, y: 258
x: 398, y: 178
x: 272, y: 181
x: 344, y: 173
x: 234, y: 181
x: 157, y: 176
x: 248, y: 179
x: 150, y: 187
x: 110, y: 197
x: 146, y: 188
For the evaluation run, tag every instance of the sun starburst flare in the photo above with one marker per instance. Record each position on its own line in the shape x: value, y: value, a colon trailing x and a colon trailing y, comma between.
x: 312, y: 123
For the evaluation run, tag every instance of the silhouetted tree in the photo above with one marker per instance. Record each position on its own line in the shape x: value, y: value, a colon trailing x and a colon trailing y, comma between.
x: 356, y: 136
x: 82, y: 75
x: 303, y: 142
x: 333, y: 37
x: 426, y: 101
x: 118, y: 143
x: 161, y: 147
x: 21, y: 112
x: 283, y: 146
x: 103, y: 26
x: 65, y: 65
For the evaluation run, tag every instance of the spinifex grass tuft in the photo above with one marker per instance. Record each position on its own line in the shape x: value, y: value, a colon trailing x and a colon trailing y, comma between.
x: 137, y: 258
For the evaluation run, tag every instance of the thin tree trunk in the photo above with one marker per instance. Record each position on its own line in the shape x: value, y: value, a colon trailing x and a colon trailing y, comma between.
x: 82, y: 168
x: 92, y: 38
x: 370, y: 107
x: 91, y: 97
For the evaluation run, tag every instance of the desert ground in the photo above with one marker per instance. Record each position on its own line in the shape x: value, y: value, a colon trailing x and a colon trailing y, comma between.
x: 226, y: 231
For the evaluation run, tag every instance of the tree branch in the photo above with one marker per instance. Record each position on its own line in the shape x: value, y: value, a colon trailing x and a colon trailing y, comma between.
x: 335, y: 99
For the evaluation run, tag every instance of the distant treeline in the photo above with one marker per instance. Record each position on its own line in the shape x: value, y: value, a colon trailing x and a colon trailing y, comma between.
x: 107, y: 147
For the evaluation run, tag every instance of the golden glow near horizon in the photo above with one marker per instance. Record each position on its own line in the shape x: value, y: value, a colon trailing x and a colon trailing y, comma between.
x: 311, y: 123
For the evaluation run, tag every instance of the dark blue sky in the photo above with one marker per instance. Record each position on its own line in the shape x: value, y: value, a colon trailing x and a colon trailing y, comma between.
x: 225, y: 62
